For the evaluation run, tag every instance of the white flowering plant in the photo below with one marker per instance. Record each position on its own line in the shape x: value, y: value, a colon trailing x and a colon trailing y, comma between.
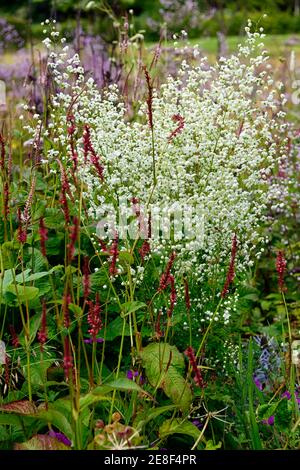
x: 129, y: 240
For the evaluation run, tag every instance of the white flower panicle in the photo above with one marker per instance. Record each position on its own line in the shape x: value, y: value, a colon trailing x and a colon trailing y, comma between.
x: 231, y: 125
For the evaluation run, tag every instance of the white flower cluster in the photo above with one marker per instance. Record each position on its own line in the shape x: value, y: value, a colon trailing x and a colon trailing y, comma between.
x: 231, y: 117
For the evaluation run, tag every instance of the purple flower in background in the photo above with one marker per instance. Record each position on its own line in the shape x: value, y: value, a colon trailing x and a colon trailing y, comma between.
x: 287, y: 395
x: 91, y: 340
x: 257, y: 380
x: 9, y: 37
x: 133, y: 374
x: 197, y: 423
x: 270, y: 421
x: 60, y: 437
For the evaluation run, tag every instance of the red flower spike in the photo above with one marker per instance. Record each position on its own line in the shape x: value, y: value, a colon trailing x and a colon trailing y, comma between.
x: 66, y: 311
x: 179, y: 128
x: 145, y: 249
x: 22, y: 231
x: 230, y: 273
x: 114, y: 252
x: 89, y: 149
x: 173, y: 296
x: 14, y: 337
x: 2, y: 152
x: 43, y: 233
x: 6, y: 200
x: 281, y: 268
x: 165, y: 277
x: 189, y: 352
x: 74, y: 231
x: 149, y: 98
x: 94, y: 318
x: 68, y: 358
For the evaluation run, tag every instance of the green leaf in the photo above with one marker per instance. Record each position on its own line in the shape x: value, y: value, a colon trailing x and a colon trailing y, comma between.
x: 147, y: 415
x: 57, y: 419
x: 211, y: 446
x: 75, y: 309
x: 178, y: 426
x: 35, y: 260
x: 9, y: 253
x: 41, y: 442
x: 7, y: 279
x: 164, y: 366
x: 100, y: 393
x: 266, y: 411
x: 9, y: 419
x: 125, y: 385
x: 126, y: 258
x: 115, y: 329
x: 130, y: 307
x: 23, y: 293
x: 96, y: 395
x: 22, y: 277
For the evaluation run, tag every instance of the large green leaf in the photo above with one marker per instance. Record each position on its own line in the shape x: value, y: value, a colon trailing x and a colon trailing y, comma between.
x: 164, y: 366
x: 101, y: 392
x: 146, y: 415
x: 178, y: 426
x: 23, y: 293
x: 115, y: 329
x: 41, y: 442
x: 57, y: 419
x: 130, y: 307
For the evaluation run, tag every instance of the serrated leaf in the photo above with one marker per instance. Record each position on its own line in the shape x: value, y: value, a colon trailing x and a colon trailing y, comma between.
x: 164, y: 366
x: 41, y: 442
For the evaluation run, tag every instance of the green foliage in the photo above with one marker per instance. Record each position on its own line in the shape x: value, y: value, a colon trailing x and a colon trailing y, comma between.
x: 164, y: 367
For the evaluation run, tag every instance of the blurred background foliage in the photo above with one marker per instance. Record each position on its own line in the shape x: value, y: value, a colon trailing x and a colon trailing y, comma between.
x: 198, y: 17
